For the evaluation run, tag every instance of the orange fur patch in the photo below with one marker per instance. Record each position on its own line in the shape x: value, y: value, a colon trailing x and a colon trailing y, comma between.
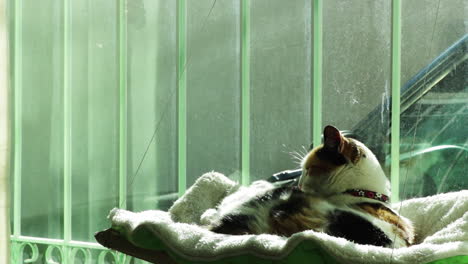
x: 350, y: 150
x: 383, y: 213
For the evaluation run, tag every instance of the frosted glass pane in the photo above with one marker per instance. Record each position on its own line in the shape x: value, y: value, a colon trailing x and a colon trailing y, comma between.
x: 42, y: 121
x: 280, y: 84
x: 152, y: 104
x: 356, y: 69
x: 213, y: 88
x: 95, y: 110
x: 428, y: 28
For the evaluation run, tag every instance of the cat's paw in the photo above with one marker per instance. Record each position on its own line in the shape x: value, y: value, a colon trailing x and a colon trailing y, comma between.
x: 209, y: 217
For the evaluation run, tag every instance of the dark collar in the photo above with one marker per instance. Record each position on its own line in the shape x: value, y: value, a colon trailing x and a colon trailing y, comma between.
x: 368, y: 194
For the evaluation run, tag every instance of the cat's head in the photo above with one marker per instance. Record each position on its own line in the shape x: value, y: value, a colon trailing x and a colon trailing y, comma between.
x: 341, y: 164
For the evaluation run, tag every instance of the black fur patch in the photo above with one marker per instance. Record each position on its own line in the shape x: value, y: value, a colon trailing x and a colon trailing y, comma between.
x: 234, y: 225
x: 270, y: 195
x: 331, y: 155
x: 357, y: 229
x: 294, y: 204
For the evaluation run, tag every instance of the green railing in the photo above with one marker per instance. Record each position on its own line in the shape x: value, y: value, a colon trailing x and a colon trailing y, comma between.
x: 27, y: 250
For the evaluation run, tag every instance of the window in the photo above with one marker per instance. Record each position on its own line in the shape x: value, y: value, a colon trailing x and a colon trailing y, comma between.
x: 125, y: 103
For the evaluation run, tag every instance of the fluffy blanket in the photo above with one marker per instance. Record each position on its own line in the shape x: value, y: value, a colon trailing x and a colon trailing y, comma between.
x: 441, y: 224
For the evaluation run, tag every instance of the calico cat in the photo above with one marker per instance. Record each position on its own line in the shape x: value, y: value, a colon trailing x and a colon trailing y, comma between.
x: 342, y: 191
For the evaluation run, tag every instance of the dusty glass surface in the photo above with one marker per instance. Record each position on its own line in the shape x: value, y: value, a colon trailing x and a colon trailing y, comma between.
x: 434, y: 142
x: 434, y: 115
x: 429, y: 28
x: 94, y: 116
x: 151, y: 114
x: 356, y: 69
x: 42, y: 121
x: 280, y: 84
x: 213, y: 88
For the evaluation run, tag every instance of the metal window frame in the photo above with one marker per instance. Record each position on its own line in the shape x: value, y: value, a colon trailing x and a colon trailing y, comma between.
x: 395, y: 103
x: 5, y: 137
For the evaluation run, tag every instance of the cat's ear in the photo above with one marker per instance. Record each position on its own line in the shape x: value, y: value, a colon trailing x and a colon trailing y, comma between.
x: 332, y: 138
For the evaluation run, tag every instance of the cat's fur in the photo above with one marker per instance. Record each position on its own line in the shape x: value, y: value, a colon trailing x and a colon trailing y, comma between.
x: 319, y: 203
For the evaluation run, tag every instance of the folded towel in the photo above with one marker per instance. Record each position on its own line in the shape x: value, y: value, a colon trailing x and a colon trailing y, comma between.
x: 441, y: 224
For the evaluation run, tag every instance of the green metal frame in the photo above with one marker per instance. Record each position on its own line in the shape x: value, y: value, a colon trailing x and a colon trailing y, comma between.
x: 123, y: 124
x: 395, y: 123
x: 18, y: 128
x: 67, y: 129
x: 245, y: 77
x: 182, y: 95
x: 317, y: 16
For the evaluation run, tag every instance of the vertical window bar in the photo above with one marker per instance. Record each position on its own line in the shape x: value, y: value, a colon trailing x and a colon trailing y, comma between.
x: 317, y: 73
x: 395, y: 122
x: 245, y: 82
x: 67, y: 121
x: 181, y: 98
x: 18, y: 128
x: 5, y: 134
x: 123, y: 103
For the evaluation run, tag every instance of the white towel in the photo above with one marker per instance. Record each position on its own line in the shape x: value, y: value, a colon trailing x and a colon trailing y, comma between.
x: 441, y: 224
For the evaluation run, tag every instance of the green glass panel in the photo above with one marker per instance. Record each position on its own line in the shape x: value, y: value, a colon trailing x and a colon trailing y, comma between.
x: 429, y: 28
x: 280, y: 77
x: 95, y: 110
x: 356, y: 68
x: 152, y: 145
x: 213, y: 88
x: 42, y: 120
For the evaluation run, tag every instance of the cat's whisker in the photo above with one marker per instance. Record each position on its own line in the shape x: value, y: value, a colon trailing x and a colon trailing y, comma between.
x: 303, y: 153
x: 296, y: 155
x: 296, y: 160
x: 292, y: 153
x: 305, y: 149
